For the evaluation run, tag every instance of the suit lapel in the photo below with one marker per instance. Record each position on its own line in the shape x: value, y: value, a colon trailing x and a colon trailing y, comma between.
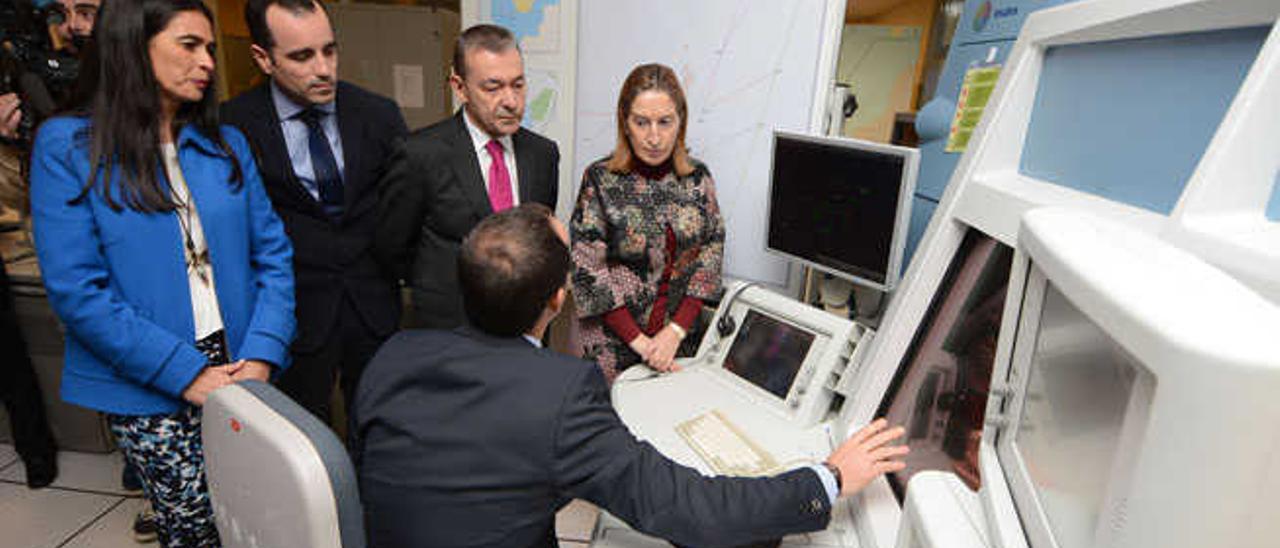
x: 350, y: 128
x: 467, y: 167
x: 525, y: 167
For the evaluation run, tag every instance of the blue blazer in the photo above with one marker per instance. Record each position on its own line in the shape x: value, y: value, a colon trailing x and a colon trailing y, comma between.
x: 118, y: 280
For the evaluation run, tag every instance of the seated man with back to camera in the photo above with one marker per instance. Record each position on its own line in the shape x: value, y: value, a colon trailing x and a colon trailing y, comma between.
x: 477, y: 436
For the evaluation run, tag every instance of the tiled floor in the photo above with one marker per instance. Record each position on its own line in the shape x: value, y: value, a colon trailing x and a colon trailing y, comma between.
x: 78, y: 510
x: 85, y: 507
x: 7, y: 456
x: 89, y: 472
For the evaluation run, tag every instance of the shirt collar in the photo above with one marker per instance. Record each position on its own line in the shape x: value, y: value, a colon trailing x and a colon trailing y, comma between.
x: 471, y: 331
x: 287, y: 108
x: 479, y: 138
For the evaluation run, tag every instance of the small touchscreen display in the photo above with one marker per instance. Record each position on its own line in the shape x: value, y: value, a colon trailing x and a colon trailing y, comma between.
x: 768, y: 353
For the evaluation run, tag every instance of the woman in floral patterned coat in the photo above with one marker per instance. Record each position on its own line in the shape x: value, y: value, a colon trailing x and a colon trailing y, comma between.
x: 647, y: 235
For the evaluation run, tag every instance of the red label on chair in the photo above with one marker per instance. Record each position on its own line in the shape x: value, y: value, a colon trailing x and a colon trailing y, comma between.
x: 235, y: 425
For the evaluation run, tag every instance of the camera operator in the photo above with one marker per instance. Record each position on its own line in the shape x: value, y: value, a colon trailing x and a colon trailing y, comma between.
x: 37, y: 39
x: 10, y: 115
x: 43, y: 40
x: 70, y: 24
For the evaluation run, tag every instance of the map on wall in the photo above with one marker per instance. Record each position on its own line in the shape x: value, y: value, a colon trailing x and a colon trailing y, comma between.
x: 542, y: 93
x: 536, y: 23
x: 748, y: 68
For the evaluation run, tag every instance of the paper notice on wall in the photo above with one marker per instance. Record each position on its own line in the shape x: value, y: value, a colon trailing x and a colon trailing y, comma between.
x: 409, y: 86
x: 975, y: 92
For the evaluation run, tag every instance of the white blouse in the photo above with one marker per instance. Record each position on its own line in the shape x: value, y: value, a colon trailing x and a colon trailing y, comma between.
x: 204, y: 297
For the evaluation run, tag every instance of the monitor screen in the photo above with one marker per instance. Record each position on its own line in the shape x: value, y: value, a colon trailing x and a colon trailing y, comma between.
x: 1077, y: 400
x: 939, y: 394
x: 768, y: 353
x: 837, y: 203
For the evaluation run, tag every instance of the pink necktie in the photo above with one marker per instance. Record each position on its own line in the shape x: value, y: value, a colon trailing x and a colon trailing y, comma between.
x: 499, y: 179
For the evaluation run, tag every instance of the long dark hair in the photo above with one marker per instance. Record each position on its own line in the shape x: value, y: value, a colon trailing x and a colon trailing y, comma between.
x: 118, y: 90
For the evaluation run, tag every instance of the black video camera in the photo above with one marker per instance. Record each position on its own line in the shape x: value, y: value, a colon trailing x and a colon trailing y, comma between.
x: 29, y: 64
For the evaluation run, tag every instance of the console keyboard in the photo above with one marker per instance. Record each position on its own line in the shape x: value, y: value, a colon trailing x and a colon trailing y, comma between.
x: 723, y: 446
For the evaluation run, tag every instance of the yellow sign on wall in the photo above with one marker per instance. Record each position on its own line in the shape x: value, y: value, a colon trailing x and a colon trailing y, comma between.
x: 979, y: 82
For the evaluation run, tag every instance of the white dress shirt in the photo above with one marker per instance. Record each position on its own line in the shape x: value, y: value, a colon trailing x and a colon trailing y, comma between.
x: 479, y: 139
x: 297, y: 135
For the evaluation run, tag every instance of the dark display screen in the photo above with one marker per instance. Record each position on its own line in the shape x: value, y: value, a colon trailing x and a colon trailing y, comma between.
x: 939, y: 393
x: 835, y: 206
x: 768, y: 353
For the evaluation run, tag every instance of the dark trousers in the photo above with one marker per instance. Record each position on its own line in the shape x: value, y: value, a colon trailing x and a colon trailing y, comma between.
x: 346, y: 350
x: 18, y: 386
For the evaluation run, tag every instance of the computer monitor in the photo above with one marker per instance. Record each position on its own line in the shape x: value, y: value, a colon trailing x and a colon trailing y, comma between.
x: 841, y: 205
x: 939, y: 393
x: 1085, y: 394
x: 780, y: 353
x: 1141, y: 394
x: 768, y: 353
x: 1132, y: 403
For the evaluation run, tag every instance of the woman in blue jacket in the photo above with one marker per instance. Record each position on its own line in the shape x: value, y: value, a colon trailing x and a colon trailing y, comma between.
x: 159, y: 249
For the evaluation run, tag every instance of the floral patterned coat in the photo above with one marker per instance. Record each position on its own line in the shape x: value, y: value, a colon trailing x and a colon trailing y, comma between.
x: 619, y: 246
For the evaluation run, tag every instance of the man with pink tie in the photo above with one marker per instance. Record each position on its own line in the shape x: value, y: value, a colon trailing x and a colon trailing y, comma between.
x: 445, y: 178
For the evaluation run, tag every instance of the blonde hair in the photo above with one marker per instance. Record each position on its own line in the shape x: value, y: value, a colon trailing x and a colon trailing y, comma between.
x: 650, y: 77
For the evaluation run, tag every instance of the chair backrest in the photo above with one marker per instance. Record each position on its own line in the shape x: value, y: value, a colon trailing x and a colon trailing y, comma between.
x: 278, y: 477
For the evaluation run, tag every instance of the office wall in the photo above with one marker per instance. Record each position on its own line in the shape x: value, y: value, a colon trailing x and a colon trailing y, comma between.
x: 920, y: 14
x: 879, y: 64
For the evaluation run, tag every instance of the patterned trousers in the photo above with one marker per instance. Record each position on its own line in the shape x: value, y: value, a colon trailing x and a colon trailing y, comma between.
x: 168, y: 454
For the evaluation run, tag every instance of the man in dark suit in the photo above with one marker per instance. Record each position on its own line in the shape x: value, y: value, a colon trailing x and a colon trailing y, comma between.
x: 321, y: 147
x: 474, y: 437
x: 444, y: 178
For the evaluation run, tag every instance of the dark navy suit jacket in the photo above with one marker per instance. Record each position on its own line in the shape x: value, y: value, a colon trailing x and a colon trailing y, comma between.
x: 470, y: 440
x: 431, y: 197
x: 332, y: 258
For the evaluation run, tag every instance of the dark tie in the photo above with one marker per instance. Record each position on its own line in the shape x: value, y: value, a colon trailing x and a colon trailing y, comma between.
x: 323, y: 166
x: 499, y: 179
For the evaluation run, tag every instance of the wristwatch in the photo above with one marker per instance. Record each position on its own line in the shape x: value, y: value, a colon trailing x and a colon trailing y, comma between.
x: 835, y: 471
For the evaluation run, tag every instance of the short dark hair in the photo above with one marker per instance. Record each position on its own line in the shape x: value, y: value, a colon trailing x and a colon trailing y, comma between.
x: 255, y: 17
x: 510, y: 266
x: 491, y: 38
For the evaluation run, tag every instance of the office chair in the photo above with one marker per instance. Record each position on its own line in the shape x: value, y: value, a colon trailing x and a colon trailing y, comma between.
x: 278, y: 477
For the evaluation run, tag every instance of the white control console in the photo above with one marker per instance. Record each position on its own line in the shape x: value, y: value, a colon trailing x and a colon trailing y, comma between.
x: 779, y: 352
x: 768, y: 373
